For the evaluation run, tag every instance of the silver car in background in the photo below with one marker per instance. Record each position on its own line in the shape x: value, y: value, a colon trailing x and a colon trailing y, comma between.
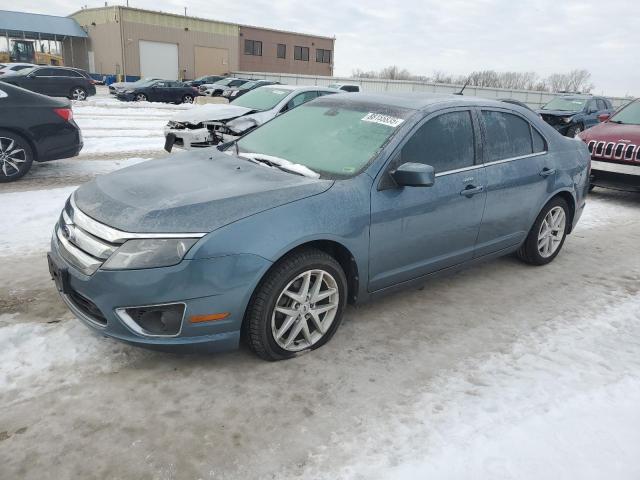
x: 211, y: 124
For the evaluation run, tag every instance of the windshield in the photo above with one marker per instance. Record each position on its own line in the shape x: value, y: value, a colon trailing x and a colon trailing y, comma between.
x: 224, y: 81
x: 24, y: 71
x: 566, y: 104
x: 628, y: 115
x: 247, y: 86
x: 332, y: 137
x: 143, y: 81
x: 263, y: 98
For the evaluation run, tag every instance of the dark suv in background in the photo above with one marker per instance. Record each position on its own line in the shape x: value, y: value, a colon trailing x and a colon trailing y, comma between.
x: 72, y: 83
x: 572, y: 114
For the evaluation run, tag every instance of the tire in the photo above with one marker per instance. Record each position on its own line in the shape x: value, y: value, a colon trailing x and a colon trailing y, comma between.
x: 533, y: 250
x: 299, y: 332
x: 187, y: 99
x: 592, y: 186
x: 16, y: 156
x: 78, y: 93
x: 574, y: 130
x: 140, y: 97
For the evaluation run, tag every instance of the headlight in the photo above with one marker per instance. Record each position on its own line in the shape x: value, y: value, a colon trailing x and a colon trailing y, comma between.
x: 149, y: 253
x: 234, y: 93
x: 128, y: 91
x: 567, y: 119
x: 242, y: 124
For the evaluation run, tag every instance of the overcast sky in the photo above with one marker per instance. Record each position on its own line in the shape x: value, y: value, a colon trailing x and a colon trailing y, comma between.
x: 457, y: 36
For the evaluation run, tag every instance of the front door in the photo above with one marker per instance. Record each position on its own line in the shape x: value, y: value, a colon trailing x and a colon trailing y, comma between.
x: 42, y: 81
x: 418, y: 230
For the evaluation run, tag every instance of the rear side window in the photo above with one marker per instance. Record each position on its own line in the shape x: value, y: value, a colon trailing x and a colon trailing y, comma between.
x: 69, y: 73
x: 46, y: 72
x: 445, y: 142
x: 507, y: 136
x: 539, y: 144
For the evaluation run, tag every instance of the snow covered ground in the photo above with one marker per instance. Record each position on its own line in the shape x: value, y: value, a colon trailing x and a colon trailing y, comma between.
x: 503, y: 371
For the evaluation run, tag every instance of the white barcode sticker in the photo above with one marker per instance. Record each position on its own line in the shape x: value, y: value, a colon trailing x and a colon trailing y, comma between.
x: 387, y: 120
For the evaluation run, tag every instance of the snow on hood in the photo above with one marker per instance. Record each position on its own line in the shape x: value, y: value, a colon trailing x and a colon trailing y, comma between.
x: 210, y: 112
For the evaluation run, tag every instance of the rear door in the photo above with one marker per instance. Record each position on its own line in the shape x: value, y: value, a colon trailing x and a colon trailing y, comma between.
x: 519, y: 179
x: 418, y: 230
x: 65, y: 80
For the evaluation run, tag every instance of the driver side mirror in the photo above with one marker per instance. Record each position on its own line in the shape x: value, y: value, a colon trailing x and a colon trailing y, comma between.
x: 603, y: 117
x: 414, y: 175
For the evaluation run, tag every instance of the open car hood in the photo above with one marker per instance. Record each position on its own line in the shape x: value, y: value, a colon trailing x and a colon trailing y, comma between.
x: 210, y: 112
x: 190, y: 192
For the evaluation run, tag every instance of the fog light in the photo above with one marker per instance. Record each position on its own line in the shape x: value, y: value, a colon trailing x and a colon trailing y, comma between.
x: 154, y: 320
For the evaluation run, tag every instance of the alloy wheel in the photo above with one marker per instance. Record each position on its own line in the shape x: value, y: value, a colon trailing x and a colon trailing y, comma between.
x: 78, y: 94
x: 305, y: 310
x: 11, y: 156
x: 141, y: 97
x: 187, y: 99
x: 551, y: 232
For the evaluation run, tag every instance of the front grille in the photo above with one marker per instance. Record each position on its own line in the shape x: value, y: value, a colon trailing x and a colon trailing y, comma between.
x: 87, y: 307
x: 614, y: 151
x: 80, y: 242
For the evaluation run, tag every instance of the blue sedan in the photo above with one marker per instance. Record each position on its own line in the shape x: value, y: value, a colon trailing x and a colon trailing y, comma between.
x: 339, y: 200
x: 166, y: 91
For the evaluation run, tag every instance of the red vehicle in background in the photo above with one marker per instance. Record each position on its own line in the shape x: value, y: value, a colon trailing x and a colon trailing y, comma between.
x: 615, y: 148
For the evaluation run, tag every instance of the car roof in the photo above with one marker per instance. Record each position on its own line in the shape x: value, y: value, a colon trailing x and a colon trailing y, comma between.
x: 422, y: 101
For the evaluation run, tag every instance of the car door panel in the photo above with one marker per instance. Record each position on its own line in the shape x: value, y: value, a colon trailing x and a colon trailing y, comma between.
x: 419, y: 230
x: 517, y: 186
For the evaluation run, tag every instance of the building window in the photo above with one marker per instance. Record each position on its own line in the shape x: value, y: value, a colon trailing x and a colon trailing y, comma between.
x: 282, y: 50
x: 323, y: 56
x: 301, y: 53
x: 253, y: 47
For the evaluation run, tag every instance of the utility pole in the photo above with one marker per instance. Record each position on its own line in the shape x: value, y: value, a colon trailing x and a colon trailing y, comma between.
x: 185, y: 11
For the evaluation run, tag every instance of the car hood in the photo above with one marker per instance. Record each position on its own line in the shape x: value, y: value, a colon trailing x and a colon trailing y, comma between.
x: 613, y: 132
x: 557, y: 113
x: 190, y: 192
x: 210, y: 112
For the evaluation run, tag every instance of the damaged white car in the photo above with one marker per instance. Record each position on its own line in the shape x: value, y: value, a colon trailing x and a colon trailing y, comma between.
x: 208, y: 125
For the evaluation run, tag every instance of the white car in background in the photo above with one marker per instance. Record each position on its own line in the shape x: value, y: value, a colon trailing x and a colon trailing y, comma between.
x: 346, y: 87
x: 119, y: 87
x: 207, y: 125
x: 7, y: 69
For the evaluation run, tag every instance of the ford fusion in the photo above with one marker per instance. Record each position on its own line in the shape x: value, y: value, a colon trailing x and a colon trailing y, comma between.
x: 342, y: 199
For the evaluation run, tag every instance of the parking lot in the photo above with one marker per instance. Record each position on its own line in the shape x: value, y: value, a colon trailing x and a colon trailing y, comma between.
x: 500, y: 370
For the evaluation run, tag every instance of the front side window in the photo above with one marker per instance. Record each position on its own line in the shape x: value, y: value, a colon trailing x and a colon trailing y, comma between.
x: 601, y: 104
x: 445, y: 142
x: 333, y: 137
x: 323, y: 56
x: 253, y: 47
x: 282, y: 50
x: 507, y: 136
x: 301, y: 53
x: 300, y: 99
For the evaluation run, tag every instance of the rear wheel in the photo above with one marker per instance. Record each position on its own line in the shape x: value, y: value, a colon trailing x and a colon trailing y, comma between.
x: 141, y: 97
x: 187, y: 99
x: 78, y: 93
x: 297, y: 307
x: 16, y: 156
x: 547, y: 236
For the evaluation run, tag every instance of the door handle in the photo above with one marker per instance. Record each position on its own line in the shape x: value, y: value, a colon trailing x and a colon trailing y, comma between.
x: 546, y: 172
x: 470, y: 191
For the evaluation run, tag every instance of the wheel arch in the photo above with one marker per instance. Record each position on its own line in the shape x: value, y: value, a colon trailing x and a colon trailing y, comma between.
x: 568, y: 197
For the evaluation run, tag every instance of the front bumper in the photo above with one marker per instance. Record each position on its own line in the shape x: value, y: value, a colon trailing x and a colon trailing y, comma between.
x: 204, y: 286
x: 188, y: 138
x: 615, y: 175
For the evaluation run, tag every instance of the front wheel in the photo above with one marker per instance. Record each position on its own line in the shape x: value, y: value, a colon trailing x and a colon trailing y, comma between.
x: 187, y: 99
x: 574, y: 130
x: 141, y: 97
x: 297, y: 307
x: 547, y: 234
x: 16, y: 156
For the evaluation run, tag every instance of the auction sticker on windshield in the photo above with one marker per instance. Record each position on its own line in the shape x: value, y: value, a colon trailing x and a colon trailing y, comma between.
x: 387, y: 120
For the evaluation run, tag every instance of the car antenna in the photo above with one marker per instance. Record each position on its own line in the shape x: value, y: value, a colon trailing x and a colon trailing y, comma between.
x: 464, y: 86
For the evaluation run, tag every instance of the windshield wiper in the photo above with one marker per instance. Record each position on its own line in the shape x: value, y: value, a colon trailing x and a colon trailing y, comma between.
x: 280, y: 163
x: 619, y: 122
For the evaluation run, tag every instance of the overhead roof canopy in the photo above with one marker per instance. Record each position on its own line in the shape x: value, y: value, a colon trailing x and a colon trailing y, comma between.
x: 46, y: 27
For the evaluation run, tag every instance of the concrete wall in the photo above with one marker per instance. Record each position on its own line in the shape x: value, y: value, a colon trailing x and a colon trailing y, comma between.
x: 269, y: 62
x: 532, y: 98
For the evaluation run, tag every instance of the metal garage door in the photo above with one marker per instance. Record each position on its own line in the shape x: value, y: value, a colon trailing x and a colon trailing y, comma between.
x: 159, y: 59
x: 211, y: 61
